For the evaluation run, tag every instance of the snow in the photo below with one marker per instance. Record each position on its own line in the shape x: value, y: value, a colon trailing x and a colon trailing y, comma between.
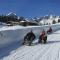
x: 49, y: 51
x: 12, y: 37
x: 49, y: 19
x: 11, y: 13
x: 12, y: 34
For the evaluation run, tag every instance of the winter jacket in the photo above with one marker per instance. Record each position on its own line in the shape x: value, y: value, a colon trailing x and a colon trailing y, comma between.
x: 30, y: 36
x: 43, y: 34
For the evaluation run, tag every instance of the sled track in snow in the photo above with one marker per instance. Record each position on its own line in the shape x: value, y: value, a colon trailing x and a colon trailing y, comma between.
x: 43, y: 52
x: 49, y: 51
x: 33, y: 51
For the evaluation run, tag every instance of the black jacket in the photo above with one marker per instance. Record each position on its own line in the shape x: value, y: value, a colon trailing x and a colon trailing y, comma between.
x: 29, y: 36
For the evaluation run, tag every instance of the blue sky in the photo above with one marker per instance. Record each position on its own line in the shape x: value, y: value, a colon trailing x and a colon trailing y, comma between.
x: 30, y: 8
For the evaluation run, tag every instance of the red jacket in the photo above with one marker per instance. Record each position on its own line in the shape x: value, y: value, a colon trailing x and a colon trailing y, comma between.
x: 42, y: 34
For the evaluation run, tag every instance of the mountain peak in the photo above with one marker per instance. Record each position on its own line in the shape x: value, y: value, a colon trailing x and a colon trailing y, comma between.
x: 11, y: 14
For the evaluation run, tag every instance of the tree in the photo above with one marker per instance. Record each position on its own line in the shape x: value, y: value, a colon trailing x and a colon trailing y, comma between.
x: 53, y: 22
x: 58, y: 20
x: 46, y: 23
x: 22, y: 18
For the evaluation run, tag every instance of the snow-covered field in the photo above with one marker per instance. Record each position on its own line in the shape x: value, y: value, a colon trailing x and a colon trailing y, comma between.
x: 9, y: 35
x: 48, y: 51
x: 15, y: 51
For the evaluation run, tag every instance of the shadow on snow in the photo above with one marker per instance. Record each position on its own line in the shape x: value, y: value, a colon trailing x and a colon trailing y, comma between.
x: 51, y: 42
x: 5, y: 51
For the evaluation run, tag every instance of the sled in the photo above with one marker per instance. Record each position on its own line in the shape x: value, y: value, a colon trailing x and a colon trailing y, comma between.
x: 49, y: 31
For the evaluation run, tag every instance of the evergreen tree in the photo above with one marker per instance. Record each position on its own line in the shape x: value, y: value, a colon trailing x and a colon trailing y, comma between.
x: 53, y: 22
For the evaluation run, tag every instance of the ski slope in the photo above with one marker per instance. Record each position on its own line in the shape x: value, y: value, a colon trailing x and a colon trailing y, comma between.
x: 49, y: 51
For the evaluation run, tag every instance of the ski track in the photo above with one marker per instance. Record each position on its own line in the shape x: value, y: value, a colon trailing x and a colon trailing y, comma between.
x: 49, y: 51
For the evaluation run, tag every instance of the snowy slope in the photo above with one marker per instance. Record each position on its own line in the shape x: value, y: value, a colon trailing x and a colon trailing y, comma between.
x: 49, y: 51
x: 9, y: 35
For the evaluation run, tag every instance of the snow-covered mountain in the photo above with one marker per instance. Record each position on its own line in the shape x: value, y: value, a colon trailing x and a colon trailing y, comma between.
x: 31, y: 20
x: 47, y: 20
x: 11, y: 14
x: 44, y: 20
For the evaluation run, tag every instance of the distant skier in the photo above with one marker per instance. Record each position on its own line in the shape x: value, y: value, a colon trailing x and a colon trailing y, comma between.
x: 43, y: 37
x: 28, y: 39
x: 49, y: 30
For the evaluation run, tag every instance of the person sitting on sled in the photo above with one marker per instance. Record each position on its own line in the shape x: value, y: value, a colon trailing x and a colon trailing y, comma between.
x: 49, y: 30
x: 29, y: 37
x: 42, y: 37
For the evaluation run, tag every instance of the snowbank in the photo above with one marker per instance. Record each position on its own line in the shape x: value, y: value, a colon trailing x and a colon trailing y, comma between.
x: 9, y: 35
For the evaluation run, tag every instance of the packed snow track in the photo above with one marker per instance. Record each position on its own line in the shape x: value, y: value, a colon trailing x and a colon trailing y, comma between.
x: 48, y: 51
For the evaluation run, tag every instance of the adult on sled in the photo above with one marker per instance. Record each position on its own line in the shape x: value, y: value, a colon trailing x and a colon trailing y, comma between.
x: 28, y: 39
x: 49, y: 30
x: 43, y: 37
